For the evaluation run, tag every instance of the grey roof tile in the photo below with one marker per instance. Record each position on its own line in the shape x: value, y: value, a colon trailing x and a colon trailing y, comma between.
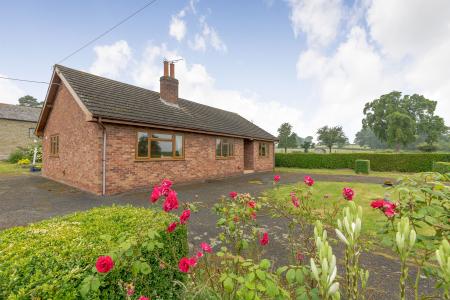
x: 17, y: 112
x: 116, y: 100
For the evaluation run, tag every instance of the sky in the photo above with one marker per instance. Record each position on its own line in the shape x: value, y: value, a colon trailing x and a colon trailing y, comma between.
x: 307, y: 62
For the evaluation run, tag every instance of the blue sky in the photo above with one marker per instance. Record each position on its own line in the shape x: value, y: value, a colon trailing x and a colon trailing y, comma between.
x: 311, y: 63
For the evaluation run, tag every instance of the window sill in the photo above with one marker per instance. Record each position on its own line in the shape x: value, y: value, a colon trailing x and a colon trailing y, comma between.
x: 224, y: 158
x: 158, y: 159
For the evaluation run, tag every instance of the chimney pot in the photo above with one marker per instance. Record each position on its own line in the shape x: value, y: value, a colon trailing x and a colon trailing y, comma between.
x: 166, y: 68
x: 172, y: 70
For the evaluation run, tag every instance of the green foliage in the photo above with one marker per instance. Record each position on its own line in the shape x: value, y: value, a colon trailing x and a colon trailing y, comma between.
x: 366, y: 137
x: 402, y: 162
x: 396, y: 119
x: 427, y: 148
x: 441, y: 167
x: 26, y: 153
x: 362, y: 166
x: 55, y: 259
x: 17, y: 155
x: 330, y: 136
x: 29, y: 101
x: 24, y: 162
x: 287, y: 138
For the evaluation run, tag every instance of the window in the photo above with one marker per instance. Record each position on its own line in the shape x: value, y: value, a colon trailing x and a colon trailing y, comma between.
x: 263, y: 149
x: 224, y: 148
x: 54, y: 145
x: 155, y: 145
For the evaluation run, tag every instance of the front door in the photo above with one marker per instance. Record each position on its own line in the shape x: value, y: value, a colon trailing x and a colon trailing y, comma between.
x: 248, y: 155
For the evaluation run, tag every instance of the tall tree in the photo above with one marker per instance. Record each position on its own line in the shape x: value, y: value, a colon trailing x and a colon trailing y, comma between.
x: 330, y: 136
x: 29, y: 101
x: 417, y: 108
x: 366, y: 137
x: 284, y: 132
x: 400, y: 130
x: 307, y: 143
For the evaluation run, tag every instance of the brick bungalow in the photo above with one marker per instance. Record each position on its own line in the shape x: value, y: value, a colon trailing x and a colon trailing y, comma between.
x: 17, y: 126
x: 107, y: 137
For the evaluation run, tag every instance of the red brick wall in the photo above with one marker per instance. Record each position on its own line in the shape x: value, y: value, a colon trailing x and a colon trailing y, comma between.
x: 263, y: 163
x: 124, y: 172
x: 79, y: 160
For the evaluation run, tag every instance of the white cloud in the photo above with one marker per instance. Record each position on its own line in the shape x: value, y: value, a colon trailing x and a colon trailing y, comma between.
x: 387, y: 45
x: 318, y: 19
x: 207, y: 37
x: 9, y: 92
x: 111, y: 60
x: 198, y: 85
x: 177, y: 27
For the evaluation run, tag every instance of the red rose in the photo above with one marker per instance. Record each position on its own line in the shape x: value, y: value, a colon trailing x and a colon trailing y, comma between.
x: 308, y: 181
x: 253, y: 215
x: 348, y: 193
x: 184, y: 265
x: 104, y: 264
x: 171, y: 201
x: 265, y: 239
x: 233, y: 195
x: 389, y: 212
x: 276, y: 178
x: 143, y: 298
x: 156, y: 193
x: 206, y: 247
x: 251, y: 204
x: 185, y: 216
x: 192, y: 261
x: 199, y: 254
x: 378, y: 203
x: 166, y: 184
x: 172, y: 227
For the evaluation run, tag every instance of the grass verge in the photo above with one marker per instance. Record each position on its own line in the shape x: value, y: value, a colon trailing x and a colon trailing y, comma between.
x: 393, y: 175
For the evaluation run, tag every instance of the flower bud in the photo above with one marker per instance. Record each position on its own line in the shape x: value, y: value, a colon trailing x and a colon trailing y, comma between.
x: 412, y: 238
x: 333, y: 288
x: 314, y: 270
x: 341, y: 236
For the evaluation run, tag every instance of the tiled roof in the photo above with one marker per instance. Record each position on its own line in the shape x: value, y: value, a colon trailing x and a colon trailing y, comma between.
x: 17, y: 112
x: 116, y: 100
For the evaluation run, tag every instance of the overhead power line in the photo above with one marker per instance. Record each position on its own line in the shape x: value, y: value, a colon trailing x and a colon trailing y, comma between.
x: 24, y: 80
x: 108, y: 31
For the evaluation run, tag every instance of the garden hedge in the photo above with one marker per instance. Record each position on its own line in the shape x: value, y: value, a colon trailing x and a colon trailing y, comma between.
x: 401, y: 162
x: 362, y: 166
x: 441, y: 167
x: 52, y: 259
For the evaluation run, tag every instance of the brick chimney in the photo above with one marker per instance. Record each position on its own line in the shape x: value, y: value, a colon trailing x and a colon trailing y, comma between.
x: 168, y: 87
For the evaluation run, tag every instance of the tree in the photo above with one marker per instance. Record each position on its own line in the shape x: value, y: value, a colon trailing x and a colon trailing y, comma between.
x: 400, y: 130
x: 330, y: 136
x: 286, y: 139
x: 417, y: 108
x: 307, y: 143
x: 29, y: 101
x: 366, y: 137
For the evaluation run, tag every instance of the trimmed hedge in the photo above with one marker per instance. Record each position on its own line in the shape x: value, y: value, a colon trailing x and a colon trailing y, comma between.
x: 441, y: 167
x: 362, y: 166
x: 401, y: 162
x: 55, y: 259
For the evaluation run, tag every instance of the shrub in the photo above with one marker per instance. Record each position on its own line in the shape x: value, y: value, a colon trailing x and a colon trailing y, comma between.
x: 16, y: 155
x: 362, y: 166
x: 427, y: 148
x: 23, y: 162
x: 402, y: 162
x: 54, y: 259
x: 441, y: 167
x: 26, y: 152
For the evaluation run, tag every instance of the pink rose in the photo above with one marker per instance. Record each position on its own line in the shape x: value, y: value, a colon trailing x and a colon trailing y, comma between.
x: 265, y: 239
x: 348, y: 193
x: 166, y: 184
x: 294, y: 200
x: 233, y: 195
x: 251, y: 204
x: 308, y: 181
x: 253, y: 215
x: 171, y: 201
x: 156, y: 193
x: 143, y: 298
x: 206, y: 247
x: 185, y: 216
x: 378, y: 203
x: 199, y: 254
x: 192, y: 261
x: 104, y: 264
x: 172, y: 226
x: 184, y: 265
x: 276, y: 178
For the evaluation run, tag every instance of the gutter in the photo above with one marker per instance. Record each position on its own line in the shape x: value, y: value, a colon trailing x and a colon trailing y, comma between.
x: 99, y: 121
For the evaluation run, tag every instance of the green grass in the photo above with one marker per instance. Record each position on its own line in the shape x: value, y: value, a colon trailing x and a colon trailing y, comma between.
x: 7, y: 168
x: 393, y: 175
x: 364, y: 194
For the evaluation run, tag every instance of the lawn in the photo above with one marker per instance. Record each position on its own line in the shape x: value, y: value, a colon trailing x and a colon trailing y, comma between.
x: 364, y: 194
x: 393, y: 175
x: 7, y: 168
